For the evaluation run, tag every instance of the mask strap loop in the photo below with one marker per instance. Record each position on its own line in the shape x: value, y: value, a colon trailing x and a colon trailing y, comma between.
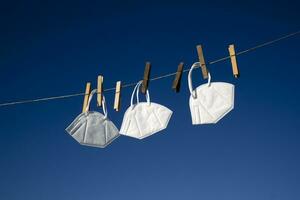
x: 209, y: 79
x: 148, y: 97
x: 190, y: 82
x: 90, y: 99
x: 133, y: 92
x: 190, y: 79
x: 147, y: 94
x: 103, y: 103
x: 104, y: 108
x: 136, y: 91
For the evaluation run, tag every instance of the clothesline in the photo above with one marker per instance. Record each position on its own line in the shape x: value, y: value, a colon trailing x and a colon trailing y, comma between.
x: 152, y: 79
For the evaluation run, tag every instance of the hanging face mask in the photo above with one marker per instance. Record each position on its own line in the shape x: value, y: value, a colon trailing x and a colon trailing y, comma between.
x: 144, y: 119
x: 210, y: 102
x: 92, y: 128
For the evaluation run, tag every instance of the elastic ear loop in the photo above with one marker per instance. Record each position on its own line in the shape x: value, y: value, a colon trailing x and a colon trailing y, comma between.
x: 90, y: 99
x: 193, y: 93
x: 133, y: 92
x: 104, y: 108
x: 136, y: 90
x: 209, y: 79
x: 103, y: 103
x: 147, y: 95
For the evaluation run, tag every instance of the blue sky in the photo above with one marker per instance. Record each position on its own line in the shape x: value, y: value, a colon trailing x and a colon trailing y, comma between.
x: 54, y: 48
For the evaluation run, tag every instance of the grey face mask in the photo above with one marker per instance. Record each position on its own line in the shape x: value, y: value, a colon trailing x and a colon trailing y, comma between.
x: 92, y: 128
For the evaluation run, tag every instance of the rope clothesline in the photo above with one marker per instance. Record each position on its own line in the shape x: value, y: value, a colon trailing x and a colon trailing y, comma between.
x: 155, y: 78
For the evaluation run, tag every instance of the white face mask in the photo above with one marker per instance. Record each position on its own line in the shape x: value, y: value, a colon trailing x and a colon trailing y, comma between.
x: 93, y: 128
x: 210, y: 102
x: 144, y: 119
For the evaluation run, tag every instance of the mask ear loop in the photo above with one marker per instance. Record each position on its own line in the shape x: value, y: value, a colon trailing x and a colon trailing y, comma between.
x: 104, y: 108
x: 190, y: 79
x: 193, y: 93
x: 147, y: 94
x: 136, y: 91
x: 209, y: 79
x: 90, y: 99
x: 103, y: 103
x: 133, y: 92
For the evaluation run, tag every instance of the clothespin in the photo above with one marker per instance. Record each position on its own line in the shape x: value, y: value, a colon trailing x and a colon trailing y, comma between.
x: 177, y: 80
x: 99, y: 90
x: 86, y: 96
x: 146, y: 77
x: 202, y: 62
x: 232, y: 54
x: 117, y: 96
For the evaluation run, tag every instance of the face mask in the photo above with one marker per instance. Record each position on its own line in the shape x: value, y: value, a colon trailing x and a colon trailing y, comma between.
x: 210, y: 102
x: 93, y: 128
x: 144, y: 119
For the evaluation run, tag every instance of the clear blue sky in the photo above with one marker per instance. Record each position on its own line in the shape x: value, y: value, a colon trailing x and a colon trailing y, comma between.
x: 54, y: 48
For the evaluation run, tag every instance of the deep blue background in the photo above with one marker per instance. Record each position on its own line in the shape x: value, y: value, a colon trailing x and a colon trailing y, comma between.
x: 54, y: 48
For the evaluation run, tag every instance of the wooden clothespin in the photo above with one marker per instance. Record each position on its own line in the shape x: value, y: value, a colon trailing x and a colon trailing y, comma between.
x: 202, y: 62
x: 177, y: 80
x: 117, y: 96
x: 86, y: 96
x: 146, y: 78
x: 99, y: 90
x: 235, y: 69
